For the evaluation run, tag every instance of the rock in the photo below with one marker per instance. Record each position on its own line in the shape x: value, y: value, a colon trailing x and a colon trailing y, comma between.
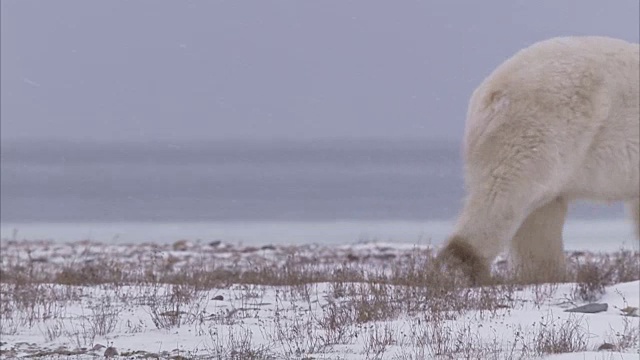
x: 172, y: 313
x: 215, y: 243
x: 385, y: 257
x: 110, y: 352
x: 181, y: 245
x: 630, y: 311
x: 8, y: 354
x: 218, y: 298
x: 268, y: 247
x: 249, y: 249
x: 606, y: 346
x: 590, y: 308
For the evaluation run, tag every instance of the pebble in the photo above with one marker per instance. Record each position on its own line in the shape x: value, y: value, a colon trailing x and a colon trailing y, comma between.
x: 590, y: 308
x: 110, y: 352
x: 606, y: 346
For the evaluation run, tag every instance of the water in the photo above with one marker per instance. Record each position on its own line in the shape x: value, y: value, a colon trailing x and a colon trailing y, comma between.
x: 322, y: 191
x: 330, y: 180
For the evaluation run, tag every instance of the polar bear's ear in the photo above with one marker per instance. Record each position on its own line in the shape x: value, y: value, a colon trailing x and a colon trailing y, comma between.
x: 459, y: 255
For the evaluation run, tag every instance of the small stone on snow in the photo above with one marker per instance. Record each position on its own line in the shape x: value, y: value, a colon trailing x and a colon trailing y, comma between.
x: 590, y: 308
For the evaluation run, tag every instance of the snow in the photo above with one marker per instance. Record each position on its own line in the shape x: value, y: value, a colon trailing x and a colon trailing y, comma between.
x: 285, y: 321
x: 592, y: 355
x: 263, y: 316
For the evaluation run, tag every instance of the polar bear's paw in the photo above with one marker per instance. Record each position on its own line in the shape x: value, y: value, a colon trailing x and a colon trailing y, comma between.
x: 460, y: 256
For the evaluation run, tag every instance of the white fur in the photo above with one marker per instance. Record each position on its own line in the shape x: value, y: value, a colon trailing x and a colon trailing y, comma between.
x: 556, y: 122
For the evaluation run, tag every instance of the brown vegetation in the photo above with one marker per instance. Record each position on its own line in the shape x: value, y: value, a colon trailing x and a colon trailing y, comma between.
x: 335, y: 300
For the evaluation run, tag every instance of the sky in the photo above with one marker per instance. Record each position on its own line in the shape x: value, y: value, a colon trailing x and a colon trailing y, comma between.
x: 287, y: 69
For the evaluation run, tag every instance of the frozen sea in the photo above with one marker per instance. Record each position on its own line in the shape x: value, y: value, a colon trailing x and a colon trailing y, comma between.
x: 330, y: 191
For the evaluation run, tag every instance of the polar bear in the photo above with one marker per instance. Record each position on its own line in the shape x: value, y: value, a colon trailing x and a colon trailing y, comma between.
x: 556, y: 122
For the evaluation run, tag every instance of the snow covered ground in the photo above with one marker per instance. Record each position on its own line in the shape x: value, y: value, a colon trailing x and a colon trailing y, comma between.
x: 372, y: 300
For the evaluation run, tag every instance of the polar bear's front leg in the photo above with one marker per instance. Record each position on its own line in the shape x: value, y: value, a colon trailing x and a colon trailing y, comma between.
x: 484, y: 227
x: 537, y: 249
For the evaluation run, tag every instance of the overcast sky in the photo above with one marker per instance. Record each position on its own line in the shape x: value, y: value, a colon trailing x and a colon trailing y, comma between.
x: 179, y: 70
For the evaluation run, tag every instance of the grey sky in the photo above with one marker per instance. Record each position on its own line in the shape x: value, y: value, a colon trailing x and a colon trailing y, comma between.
x: 176, y: 70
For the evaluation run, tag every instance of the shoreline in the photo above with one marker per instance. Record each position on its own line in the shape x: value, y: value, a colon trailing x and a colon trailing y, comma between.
x: 594, y: 235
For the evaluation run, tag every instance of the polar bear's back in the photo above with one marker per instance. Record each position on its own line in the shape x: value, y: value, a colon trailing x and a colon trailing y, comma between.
x: 593, y: 78
x: 579, y: 96
x: 569, y: 62
x: 596, y: 77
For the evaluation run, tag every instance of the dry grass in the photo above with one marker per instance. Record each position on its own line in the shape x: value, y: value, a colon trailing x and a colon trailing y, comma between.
x: 321, y: 302
x: 593, y: 273
x: 557, y: 336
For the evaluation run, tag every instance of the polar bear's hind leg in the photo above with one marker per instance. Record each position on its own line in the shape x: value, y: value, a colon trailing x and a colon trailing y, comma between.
x: 537, y: 249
